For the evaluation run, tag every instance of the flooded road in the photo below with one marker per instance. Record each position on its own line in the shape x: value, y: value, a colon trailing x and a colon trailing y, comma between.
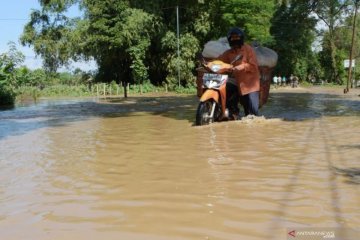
x: 139, y: 169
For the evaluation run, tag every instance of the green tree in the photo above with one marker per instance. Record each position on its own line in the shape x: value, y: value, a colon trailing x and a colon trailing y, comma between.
x: 339, y: 48
x: 331, y: 13
x: 137, y: 55
x: 49, y: 32
x: 189, y: 48
x: 133, y: 41
x: 8, y: 63
x: 117, y: 37
x: 253, y: 16
x: 293, y: 29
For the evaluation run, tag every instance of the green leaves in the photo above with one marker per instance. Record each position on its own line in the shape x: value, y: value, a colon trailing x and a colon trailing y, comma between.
x: 118, y: 38
x: 337, y: 18
x: 253, y: 16
x: 293, y: 29
x: 50, y: 34
x: 189, y: 46
x: 135, y: 41
x: 137, y: 55
x: 8, y: 63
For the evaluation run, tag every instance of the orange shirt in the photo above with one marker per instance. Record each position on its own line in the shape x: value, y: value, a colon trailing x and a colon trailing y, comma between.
x: 246, y: 70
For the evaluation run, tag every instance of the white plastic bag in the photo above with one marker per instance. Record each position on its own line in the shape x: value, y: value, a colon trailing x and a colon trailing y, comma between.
x: 266, y: 57
x: 215, y: 48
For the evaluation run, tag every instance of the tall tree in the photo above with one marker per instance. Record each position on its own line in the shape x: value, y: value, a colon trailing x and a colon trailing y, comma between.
x: 294, y: 32
x: 132, y: 41
x: 8, y: 63
x: 117, y: 37
x: 49, y: 33
x: 331, y: 13
x: 163, y: 59
x: 254, y: 16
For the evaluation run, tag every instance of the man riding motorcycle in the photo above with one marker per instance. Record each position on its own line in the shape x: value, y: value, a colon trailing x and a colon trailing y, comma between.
x: 246, y: 74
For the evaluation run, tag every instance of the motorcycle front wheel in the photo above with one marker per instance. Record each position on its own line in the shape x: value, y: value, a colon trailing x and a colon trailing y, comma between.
x: 203, y: 113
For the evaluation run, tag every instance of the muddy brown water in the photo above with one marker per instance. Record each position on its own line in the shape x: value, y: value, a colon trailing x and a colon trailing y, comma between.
x: 139, y: 169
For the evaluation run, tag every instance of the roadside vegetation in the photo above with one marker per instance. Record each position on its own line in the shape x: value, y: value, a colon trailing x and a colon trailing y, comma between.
x: 135, y: 43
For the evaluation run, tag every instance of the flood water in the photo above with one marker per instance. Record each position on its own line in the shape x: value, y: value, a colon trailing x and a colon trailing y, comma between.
x: 137, y: 168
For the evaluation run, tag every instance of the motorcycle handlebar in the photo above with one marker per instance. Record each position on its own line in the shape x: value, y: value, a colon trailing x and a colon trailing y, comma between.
x: 204, y: 63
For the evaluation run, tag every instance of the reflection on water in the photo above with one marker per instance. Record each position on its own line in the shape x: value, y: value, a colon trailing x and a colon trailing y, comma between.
x: 139, y: 169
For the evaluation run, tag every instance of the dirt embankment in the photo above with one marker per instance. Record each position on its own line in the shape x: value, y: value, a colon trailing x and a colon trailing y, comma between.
x: 353, y: 92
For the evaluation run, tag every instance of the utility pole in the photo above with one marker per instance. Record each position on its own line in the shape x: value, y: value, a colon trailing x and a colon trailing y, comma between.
x: 178, y: 42
x: 352, y: 47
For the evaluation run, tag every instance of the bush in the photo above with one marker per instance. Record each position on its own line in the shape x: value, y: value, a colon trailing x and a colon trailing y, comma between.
x: 53, y: 91
x: 145, y: 88
x: 66, y: 91
x: 27, y: 92
x: 7, y: 95
x: 188, y: 90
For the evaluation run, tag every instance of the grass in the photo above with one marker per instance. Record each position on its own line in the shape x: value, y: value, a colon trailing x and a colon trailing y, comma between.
x: 112, y: 89
x: 100, y: 89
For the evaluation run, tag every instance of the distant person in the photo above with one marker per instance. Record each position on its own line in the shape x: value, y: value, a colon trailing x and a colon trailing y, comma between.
x: 283, y: 80
x: 291, y: 80
x: 279, y: 80
x: 296, y: 82
x: 275, y: 78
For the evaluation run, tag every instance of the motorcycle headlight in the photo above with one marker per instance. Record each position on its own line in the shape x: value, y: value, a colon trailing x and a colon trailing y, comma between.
x: 212, y: 84
x: 215, y: 67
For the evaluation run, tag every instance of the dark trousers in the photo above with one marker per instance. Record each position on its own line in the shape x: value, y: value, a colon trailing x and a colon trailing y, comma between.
x: 232, y: 98
x: 250, y: 103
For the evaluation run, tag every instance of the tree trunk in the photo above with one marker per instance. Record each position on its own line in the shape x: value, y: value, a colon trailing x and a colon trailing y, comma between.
x: 125, y: 88
x: 333, y: 59
x: 351, y: 49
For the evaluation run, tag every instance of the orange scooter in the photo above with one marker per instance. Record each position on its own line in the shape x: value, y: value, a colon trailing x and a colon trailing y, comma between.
x: 213, y: 77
